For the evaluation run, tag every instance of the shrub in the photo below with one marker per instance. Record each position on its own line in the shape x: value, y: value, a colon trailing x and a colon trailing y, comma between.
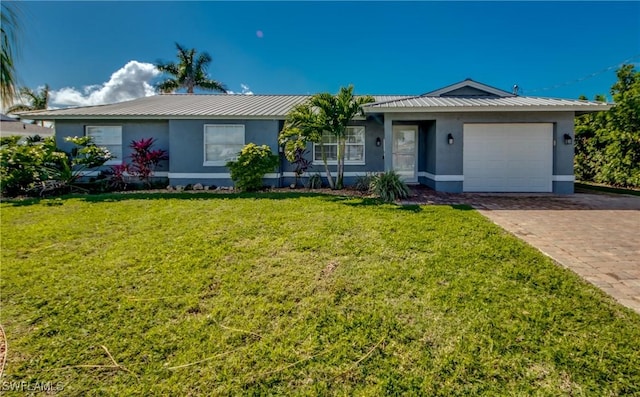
x: 25, y: 163
x: 144, y: 160
x: 315, y: 181
x: 301, y: 163
x: 117, y: 179
x: 253, y: 162
x: 389, y: 187
x: 363, y: 182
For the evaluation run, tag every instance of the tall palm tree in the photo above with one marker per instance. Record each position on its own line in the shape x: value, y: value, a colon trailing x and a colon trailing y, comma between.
x: 37, y: 100
x: 190, y: 72
x: 9, y: 28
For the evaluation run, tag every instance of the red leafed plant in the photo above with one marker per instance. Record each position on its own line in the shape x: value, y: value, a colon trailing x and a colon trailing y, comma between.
x: 144, y: 160
x: 118, y: 180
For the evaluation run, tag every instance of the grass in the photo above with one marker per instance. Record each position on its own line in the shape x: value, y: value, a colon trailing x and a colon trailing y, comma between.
x: 192, y: 294
x: 588, y: 187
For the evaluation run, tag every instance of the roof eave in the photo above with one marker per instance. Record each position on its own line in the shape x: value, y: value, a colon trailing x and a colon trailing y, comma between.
x: 158, y: 118
x: 453, y: 109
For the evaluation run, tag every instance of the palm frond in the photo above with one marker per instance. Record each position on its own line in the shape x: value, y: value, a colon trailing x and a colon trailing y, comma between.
x: 168, y: 86
x: 19, y: 108
x: 211, y: 85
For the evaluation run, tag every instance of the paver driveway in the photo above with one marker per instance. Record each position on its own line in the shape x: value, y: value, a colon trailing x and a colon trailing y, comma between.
x: 595, y: 235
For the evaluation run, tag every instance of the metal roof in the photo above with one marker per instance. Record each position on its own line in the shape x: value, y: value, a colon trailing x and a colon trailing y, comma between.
x: 481, y: 104
x: 176, y: 106
x: 221, y: 106
x: 10, y: 126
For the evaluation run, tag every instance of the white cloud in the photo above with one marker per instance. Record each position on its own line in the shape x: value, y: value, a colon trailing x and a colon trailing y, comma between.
x: 245, y: 90
x: 130, y: 82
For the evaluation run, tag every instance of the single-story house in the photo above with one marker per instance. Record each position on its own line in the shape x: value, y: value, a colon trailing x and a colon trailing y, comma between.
x: 466, y: 137
x: 10, y: 126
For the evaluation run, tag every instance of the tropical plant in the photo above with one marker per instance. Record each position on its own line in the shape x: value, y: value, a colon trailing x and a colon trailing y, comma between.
x: 23, y: 164
x: 323, y: 113
x: 363, y: 182
x: 252, y: 164
x: 190, y: 72
x: 37, y: 100
x: 608, y: 143
x: 71, y: 167
x: 9, y: 29
x: 389, y: 187
x: 117, y: 177
x: 301, y: 163
x: 145, y: 160
x: 315, y: 181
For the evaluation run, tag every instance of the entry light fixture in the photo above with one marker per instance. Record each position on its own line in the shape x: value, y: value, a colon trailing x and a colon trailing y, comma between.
x: 450, y: 139
x: 567, y: 139
x: 378, y: 142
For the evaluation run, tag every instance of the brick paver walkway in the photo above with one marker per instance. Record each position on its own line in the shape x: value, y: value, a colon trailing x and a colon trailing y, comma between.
x: 595, y: 235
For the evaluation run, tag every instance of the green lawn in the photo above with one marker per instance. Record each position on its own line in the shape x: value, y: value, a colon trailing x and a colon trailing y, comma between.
x: 204, y: 294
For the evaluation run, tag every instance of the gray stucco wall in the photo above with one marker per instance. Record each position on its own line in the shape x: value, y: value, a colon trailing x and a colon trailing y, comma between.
x: 445, y: 159
x: 131, y: 130
x: 467, y: 91
x: 450, y: 156
x: 374, y: 156
x: 187, y: 142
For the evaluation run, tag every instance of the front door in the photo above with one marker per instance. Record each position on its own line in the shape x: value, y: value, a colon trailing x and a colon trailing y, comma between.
x: 405, y: 152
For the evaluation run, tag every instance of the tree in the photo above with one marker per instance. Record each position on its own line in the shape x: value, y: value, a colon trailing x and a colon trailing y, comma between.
x: 9, y: 28
x: 37, y: 100
x: 323, y: 114
x: 189, y: 73
x: 608, y: 143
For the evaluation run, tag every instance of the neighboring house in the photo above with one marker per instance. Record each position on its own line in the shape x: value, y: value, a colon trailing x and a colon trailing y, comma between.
x: 10, y: 126
x: 466, y: 137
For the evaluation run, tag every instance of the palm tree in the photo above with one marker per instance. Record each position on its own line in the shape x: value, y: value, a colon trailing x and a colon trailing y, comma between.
x: 9, y: 28
x: 37, y: 100
x: 190, y: 72
x: 323, y: 113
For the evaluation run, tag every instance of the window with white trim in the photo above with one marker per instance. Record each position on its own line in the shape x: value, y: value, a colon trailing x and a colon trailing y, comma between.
x: 222, y: 143
x: 109, y: 137
x: 353, y: 151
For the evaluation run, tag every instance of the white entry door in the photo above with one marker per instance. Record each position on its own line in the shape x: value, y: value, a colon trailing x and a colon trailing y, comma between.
x: 509, y: 157
x: 405, y: 152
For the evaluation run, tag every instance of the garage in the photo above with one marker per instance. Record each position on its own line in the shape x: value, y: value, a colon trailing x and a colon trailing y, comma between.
x: 508, y: 157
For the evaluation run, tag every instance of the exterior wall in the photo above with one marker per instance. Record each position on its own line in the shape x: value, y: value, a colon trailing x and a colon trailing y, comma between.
x: 467, y: 91
x: 445, y: 172
x: 187, y: 148
x: 374, y: 157
x: 131, y: 130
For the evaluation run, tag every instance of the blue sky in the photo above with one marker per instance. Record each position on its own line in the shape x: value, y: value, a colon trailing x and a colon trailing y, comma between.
x: 380, y: 47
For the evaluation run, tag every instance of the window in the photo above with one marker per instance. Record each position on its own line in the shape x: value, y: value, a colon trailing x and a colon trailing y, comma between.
x: 354, y: 147
x: 222, y: 143
x: 109, y: 137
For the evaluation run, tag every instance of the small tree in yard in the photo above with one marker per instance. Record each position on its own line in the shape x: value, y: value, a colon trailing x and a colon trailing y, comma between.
x: 253, y: 162
x: 323, y: 114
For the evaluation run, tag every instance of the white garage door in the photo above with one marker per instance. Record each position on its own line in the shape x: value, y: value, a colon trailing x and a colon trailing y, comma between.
x: 508, y: 157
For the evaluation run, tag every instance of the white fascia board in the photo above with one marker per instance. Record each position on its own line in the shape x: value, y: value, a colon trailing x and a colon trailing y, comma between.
x: 159, y: 118
x: 462, y: 109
